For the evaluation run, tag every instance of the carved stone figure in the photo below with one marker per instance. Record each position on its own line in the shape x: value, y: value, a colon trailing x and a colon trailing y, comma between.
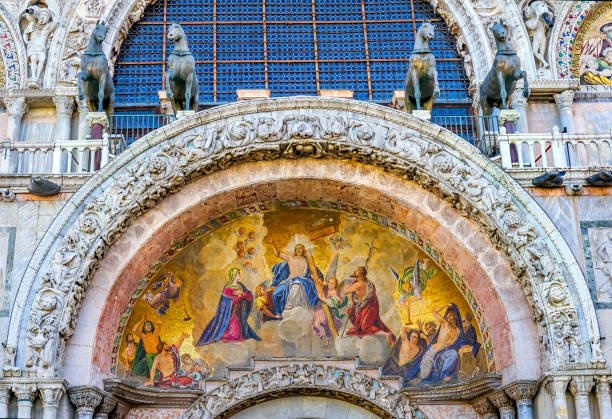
x: 98, y: 83
x: 40, y: 186
x: 604, y: 256
x: 422, y: 78
x: 549, y: 179
x: 538, y: 20
x: 181, y: 80
x: 500, y: 82
x: 35, y: 35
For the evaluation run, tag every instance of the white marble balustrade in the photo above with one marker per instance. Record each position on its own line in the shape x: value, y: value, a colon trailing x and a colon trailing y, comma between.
x: 555, y: 151
x: 81, y: 156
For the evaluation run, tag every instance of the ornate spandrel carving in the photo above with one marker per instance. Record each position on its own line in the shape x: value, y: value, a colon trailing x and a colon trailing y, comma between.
x: 85, y: 399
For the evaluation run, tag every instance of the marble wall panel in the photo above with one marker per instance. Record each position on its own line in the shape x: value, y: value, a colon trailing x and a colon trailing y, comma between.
x: 593, y: 117
x: 541, y: 116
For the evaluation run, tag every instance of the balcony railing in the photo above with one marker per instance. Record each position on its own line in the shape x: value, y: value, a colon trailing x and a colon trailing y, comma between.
x: 78, y: 157
x: 480, y: 131
x: 127, y: 128
x: 556, y: 150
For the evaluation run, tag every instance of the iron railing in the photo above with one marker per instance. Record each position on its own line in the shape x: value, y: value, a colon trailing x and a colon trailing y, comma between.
x: 127, y: 128
x: 480, y: 131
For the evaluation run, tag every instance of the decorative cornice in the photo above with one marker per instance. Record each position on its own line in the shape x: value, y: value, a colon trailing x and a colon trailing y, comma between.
x: 39, y: 93
x: 541, y: 87
x: 465, y: 390
x: 130, y: 394
x: 166, y: 159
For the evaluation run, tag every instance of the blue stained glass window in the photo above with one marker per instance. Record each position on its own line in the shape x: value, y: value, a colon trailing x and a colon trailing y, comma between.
x: 290, y: 47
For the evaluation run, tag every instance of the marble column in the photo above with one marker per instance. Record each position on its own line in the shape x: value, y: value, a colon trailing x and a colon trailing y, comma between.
x: 602, y: 389
x: 86, y: 399
x: 26, y: 394
x: 121, y: 411
x: 565, y: 102
x: 5, y: 399
x: 484, y: 408
x: 580, y: 386
x: 64, y: 106
x: 556, y: 387
x: 83, y: 109
x: 50, y: 394
x: 519, y: 103
x: 504, y: 403
x: 522, y: 392
x: 107, y: 406
x: 16, y: 107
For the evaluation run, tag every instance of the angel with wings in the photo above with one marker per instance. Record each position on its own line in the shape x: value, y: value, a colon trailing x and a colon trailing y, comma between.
x: 410, y: 286
x: 326, y: 320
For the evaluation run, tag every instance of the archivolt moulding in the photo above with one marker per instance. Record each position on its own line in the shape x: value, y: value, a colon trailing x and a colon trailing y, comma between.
x: 159, y: 164
x: 304, y: 379
x: 11, y: 52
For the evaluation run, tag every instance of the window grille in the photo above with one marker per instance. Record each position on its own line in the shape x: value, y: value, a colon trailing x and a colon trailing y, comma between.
x: 290, y: 47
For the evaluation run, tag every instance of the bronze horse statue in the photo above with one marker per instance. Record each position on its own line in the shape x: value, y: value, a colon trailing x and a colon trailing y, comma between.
x: 94, y: 80
x: 421, y: 85
x: 181, y: 80
x: 500, y: 82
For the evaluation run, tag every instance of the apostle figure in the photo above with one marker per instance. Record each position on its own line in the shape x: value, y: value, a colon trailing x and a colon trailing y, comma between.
x: 230, y: 321
x: 293, y: 281
x: 36, y: 34
x: 166, y: 369
x: 148, y: 347
x: 441, y: 361
x: 405, y: 355
x: 364, y: 313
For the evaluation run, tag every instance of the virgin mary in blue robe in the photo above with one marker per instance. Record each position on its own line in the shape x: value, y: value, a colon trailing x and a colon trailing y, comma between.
x: 230, y: 321
x: 283, y: 283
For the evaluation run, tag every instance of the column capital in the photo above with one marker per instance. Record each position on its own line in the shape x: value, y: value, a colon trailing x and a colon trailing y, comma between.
x: 121, y: 411
x: 85, y: 398
x: 97, y: 118
x: 82, y: 106
x: 51, y: 393
x: 5, y: 393
x: 501, y: 400
x: 581, y: 385
x: 556, y: 385
x: 483, y: 407
x: 565, y: 100
x: 107, y: 406
x: 25, y: 391
x: 64, y: 105
x: 602, y: 383
x: 517, y: 100
x: 522, y: 390
x: 15, y: 106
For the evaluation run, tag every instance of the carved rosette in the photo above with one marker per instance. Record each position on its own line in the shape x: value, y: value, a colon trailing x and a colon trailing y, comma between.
x: 293, y: 377
x: 207, y: 142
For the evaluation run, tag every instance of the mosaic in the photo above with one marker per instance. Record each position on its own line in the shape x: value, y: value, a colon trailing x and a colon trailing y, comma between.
x: 291, y: 279
x: 10, y: 76
x: 594, y: 41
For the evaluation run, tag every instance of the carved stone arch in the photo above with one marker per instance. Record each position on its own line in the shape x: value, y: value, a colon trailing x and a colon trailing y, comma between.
x: 12, y: 52
x: 50, y: 294
x: 304, y: 379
